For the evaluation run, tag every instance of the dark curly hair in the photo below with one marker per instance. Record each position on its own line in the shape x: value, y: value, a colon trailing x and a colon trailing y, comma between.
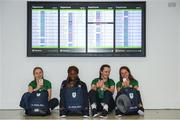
x: 73, y: 68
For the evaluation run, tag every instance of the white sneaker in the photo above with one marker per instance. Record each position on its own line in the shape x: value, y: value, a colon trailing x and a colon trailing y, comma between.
x: 119, y: 115
x: 63, y: 116
x: 85, y: 116
x: 104, y: 117
x: 140, y: 112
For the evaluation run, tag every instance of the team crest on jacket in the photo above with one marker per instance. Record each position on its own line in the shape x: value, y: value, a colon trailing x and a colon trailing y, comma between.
x: 73, y: 94
x: 131, y: 95
x: 38, y: 94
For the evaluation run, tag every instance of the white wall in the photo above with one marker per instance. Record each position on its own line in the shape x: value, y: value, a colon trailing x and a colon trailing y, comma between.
x: 162, y: 39
x: 179, y: 47
x: 157, y: 73
x: 0, y: 48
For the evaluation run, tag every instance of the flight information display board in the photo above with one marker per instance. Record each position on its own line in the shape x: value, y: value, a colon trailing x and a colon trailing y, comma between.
x: 89, y: 29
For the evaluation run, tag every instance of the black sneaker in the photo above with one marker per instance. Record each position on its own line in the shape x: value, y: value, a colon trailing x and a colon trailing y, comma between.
x: 85, y: 113
x: 26, y: 112
x: 94, y: 112
x: 118, y: 113
x: 62, y: 114
x: 104, y: 114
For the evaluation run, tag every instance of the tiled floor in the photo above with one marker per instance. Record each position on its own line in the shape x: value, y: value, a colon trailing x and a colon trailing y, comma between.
x: 149, y: 115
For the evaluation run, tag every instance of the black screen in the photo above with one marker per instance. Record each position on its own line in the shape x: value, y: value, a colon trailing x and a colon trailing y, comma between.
x: 86, y: 29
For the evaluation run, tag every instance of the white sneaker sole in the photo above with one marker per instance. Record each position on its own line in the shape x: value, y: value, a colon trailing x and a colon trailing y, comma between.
x: 85, y: 116
x: 119, y: 115
x: 63, y: 116
x: 140, y: 112
x: 103, y: 116
x: 95, y: 115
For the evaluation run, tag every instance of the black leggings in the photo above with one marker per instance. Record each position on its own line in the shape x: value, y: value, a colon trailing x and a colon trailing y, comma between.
x: 53, y: 103
x: 108, y: 99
